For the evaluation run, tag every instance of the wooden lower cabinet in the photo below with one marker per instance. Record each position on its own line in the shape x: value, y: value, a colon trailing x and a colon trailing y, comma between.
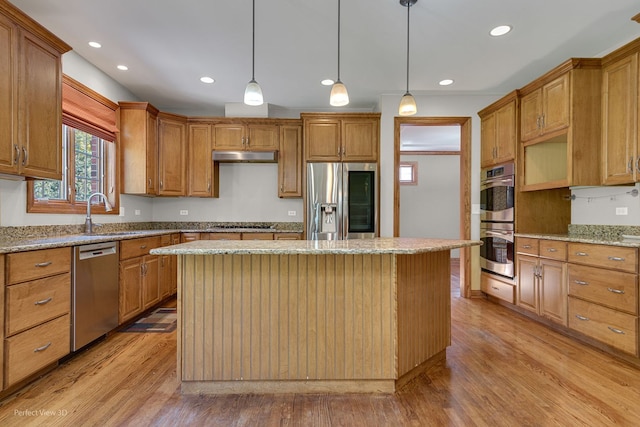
x: 130, y: 289
x: 542, y: 282
x: 287, y: 236
x: 497, y: 287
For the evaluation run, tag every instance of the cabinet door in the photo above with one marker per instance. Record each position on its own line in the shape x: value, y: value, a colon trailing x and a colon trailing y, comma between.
x: 553, y: 290
x: 505, y: 133
x: 290, y: 162
x: 530, y: 110
x: 151, y: 164
x: 130, y: 288
x: 360, y: 140
x: 40, y: 99
x: 322, y: 140
x: 527, y: 282
x: 150, y: 281
x: 555, y: 104
x: 202, y: 172
x: 172, y: 157
x: 9, y: 150
x: 229, y: 137
x: 488, y: 140
x: 619, y: 121
x: 263, y: 138
x: 165, y: 275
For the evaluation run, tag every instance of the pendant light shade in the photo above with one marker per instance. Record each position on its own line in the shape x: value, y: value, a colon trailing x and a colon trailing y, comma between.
x: 253, y: 92
x: 408, y: 105
x: 339, y: 96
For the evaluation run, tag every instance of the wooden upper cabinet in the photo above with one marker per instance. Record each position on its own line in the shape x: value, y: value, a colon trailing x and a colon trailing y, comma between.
x: 246, y: 136
x: 546, y: 109
x: 620, y: 154
x: 499, y: 131
x: 341, y: 137
x: 172, y: 155
x: 30, y: 97
x: 202, y: 173
x: 139, y: 148
x: 560, y: 127
x: 290, y: 166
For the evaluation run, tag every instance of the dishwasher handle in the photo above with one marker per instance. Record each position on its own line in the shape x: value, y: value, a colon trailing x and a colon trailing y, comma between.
x: 96, y: 250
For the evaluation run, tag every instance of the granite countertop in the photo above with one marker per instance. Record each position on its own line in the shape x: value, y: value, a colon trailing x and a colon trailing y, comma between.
x: 317, y: 247
x: 600, y: 240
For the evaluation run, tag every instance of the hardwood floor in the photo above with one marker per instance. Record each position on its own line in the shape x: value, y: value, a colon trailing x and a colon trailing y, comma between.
x: 502, y: 369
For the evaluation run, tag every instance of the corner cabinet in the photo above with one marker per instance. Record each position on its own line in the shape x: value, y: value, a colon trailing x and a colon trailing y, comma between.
x: 202, y: 172
x: 172, y: 155
x: 560, y: 127
x: 334, y: 137
x: 139, y: 148
x: 499, y: 136
x: 30, y: 97
x: 620, y: 116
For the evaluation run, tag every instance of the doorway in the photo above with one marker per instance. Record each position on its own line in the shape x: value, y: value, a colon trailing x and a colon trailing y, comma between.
x: 463, y: 126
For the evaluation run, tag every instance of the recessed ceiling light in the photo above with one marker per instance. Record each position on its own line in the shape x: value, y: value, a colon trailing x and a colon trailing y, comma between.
x: 446, y: 82
x: 122, y: 67
x: 500, y: 30
x: 95, y: 44
x: 206, y: 79
x: 327, y: 82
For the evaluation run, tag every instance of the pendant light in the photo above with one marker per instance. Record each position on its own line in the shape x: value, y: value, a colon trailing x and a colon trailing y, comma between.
x: 253, y: 92
x: 339, y: 96
x: 407, y: 103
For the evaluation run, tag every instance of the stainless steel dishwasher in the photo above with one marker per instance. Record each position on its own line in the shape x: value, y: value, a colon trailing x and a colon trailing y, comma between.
x: 94, y: 296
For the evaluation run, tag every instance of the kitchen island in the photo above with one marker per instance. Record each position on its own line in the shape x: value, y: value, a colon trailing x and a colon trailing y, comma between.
x: 311, y: 316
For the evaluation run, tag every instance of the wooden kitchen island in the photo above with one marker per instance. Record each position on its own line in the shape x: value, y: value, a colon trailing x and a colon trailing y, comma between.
x: 311, y: 316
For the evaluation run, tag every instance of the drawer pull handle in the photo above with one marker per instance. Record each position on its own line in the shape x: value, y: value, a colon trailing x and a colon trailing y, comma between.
x: 44, y: 264
x: 581, y: 317
x: 43, y: 301
x: 143, y: 246
x: 615, y: 258
x: 582, y: 254
x: 581, y: 282
x: 552, y: 250
x: 526, y: 246
x: 496, y: 288
x: 43, y: 348
x: 616, y: 330
x: 615, y: 291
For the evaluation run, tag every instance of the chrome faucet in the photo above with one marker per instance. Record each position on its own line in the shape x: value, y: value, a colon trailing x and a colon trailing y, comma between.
x: 88, y: 224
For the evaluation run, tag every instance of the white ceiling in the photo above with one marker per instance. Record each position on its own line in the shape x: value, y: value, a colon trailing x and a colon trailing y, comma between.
x: 168, y: 45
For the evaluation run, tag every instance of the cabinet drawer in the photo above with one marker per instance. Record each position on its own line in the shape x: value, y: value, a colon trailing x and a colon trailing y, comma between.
x: 497, y: 288
x: 615, y: 289
x: 35, y: 302
x: 222, y: 236
x: 36, y: 348
x: 138, y: 247
x: 527, y: 245
x: 257, y: 236
x: 614, y: 257
x: 24, y: 266
x: 553, y: 249
x: 619, y: 330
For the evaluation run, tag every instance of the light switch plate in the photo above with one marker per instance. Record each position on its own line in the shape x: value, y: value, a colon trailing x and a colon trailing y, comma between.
x: 622, y: 211
x: 184, y: 212
x: 292, y: 213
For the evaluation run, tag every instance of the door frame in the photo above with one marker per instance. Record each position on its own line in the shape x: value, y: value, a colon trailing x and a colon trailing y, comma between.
x: 465, y: 185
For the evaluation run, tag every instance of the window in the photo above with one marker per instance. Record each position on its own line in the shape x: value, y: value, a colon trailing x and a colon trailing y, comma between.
x: 89, y: 156
x: 408, y: 173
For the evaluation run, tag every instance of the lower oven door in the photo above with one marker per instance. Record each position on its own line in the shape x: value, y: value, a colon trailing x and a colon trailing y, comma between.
x: 496, y: 252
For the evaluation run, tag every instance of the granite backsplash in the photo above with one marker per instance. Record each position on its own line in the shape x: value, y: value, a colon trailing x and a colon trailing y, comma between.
x: 603, y: 232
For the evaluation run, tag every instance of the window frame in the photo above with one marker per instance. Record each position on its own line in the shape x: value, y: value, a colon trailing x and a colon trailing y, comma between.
x: 111, y: 167
x: 414, y: 172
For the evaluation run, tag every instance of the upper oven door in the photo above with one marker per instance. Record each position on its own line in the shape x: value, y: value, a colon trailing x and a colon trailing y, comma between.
x: 497, y: 199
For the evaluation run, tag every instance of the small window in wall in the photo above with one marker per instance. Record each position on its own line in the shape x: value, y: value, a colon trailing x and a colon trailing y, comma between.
x: 408, y: 173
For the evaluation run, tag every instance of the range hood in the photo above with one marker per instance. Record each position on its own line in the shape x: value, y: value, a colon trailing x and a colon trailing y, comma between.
x: 245, y: 156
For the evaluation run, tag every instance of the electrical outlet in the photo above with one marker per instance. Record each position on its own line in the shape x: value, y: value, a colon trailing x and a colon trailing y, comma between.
x: 136, y: 212
x: 292, y: 213
x: 622, y: 211
x: 184, y: 212
x: 121, y: 213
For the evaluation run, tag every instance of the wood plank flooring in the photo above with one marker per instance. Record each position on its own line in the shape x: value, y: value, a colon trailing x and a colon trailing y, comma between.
x: 501, y: 370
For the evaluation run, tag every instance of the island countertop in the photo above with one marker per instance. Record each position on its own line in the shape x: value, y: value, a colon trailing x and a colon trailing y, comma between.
x: 386, y: 245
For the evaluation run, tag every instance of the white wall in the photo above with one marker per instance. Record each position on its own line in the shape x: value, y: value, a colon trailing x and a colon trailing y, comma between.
x: 597, y: 205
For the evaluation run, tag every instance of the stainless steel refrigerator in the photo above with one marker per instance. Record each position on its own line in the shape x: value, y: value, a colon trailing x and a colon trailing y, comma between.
x: 342, y: 201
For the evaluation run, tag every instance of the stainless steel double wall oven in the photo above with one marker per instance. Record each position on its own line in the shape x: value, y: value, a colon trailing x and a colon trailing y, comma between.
x: 497, y: 208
